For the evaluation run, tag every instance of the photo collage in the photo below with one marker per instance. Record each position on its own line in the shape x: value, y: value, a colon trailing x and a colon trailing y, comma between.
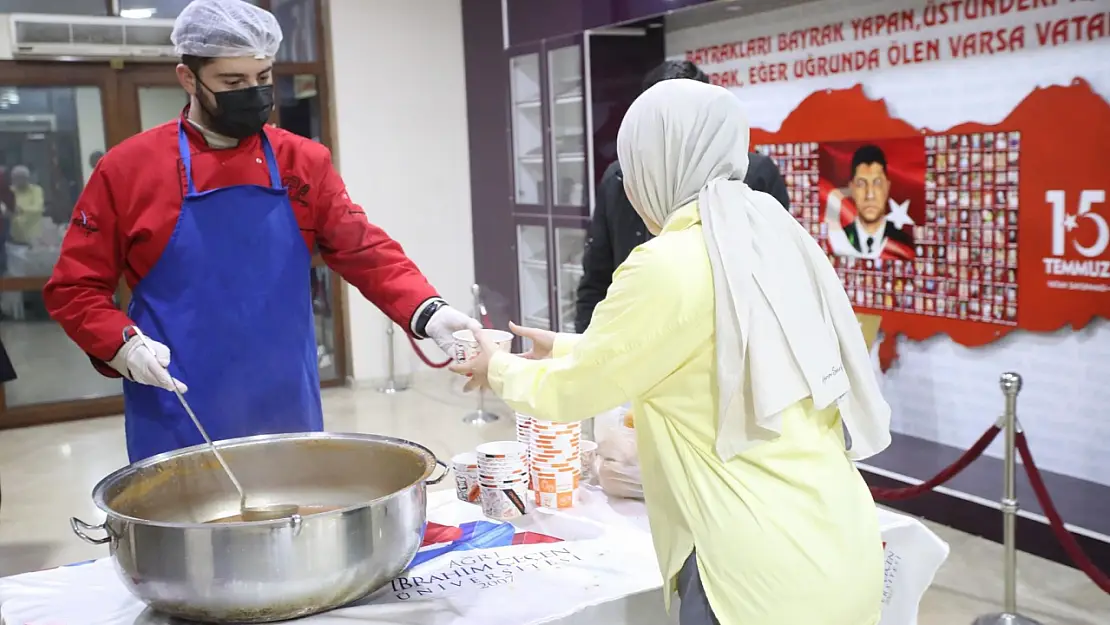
x: 799, y: 167
x: 955, y: 259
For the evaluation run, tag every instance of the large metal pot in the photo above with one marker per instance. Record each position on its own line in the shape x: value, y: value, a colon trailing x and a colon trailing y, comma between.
x: 173, y: 559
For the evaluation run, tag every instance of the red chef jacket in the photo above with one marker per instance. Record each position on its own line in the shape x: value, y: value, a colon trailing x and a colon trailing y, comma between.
x: 129, y: 209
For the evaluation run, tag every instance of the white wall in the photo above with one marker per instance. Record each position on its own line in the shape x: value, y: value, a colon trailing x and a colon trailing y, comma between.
x: 939, y: 390
x: 401, y: 129
x: 90, y: 125
x: 158, y: 105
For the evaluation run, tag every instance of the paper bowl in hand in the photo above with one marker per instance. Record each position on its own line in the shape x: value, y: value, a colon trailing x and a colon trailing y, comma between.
x: 467, y: 347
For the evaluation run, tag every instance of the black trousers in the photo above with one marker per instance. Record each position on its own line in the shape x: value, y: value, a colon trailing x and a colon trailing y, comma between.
x: 694, y: 608
x: 7, y: 371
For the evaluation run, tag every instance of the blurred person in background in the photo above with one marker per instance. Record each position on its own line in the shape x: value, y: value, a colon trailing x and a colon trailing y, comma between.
x: 744, y: 364
x: 7, y: 198
x: 211, y: 219
x: 615, y: 228
x: 29, y: 206
x: 7, y: 204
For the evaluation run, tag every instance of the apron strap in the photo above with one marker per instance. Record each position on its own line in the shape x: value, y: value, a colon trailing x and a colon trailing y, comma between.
x: 271, y: 163
x: 187, y: 160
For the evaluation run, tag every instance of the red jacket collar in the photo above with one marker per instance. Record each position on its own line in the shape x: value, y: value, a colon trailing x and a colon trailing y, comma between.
x: 196, y: 139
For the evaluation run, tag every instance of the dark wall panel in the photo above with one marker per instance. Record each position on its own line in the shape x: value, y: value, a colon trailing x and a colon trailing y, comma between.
x: 487, y: 98
x: 618, y: 65
x: 533, y: 20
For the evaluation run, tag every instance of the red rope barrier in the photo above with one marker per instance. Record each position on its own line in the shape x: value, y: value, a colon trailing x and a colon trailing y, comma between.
x: 1067, y: 541
x: 422, y: 356
x: 961, y: 463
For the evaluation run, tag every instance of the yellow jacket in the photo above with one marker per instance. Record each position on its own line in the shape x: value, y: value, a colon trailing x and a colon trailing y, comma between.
x: 27, y: 220
x: 786, y: 532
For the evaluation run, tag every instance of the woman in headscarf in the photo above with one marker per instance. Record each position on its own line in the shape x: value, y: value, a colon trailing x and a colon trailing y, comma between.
x: 732, y: 336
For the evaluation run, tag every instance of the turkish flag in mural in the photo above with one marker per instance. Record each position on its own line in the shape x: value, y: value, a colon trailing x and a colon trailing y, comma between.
x: 1015, y: 232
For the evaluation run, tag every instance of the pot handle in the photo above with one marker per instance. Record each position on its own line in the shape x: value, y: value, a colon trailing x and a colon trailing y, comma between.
x: 79, y: 527
x: 436, y: 480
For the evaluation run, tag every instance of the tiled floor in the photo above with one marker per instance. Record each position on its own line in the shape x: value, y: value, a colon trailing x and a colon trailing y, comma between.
x: 48, y: 472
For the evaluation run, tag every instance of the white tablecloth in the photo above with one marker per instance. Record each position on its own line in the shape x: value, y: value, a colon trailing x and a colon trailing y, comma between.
x: 594, y: 564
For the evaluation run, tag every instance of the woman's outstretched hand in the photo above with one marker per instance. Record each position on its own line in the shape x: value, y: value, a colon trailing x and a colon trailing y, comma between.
x: 543, y: 341
x: 477, y: 368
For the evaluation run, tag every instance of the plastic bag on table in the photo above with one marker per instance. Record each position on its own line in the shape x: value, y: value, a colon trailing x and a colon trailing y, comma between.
x: 618, y: 458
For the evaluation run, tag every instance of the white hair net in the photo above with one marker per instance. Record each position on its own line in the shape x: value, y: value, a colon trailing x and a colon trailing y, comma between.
x: 225, y: 28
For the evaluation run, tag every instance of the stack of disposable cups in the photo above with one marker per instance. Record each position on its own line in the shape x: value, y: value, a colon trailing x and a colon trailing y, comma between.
x: 556, y: 463
x: 524, y: 436
x: 503, y: 479
x: 466, y: 476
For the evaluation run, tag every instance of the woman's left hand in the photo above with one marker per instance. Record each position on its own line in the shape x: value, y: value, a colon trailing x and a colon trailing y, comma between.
x: 477, y: 368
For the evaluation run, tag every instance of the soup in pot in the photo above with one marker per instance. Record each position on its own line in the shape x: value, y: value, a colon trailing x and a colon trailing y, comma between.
x: 301, y: 510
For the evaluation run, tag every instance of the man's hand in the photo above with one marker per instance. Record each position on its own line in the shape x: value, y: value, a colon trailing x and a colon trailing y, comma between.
x: 445, y: 323
x: 145, y: 361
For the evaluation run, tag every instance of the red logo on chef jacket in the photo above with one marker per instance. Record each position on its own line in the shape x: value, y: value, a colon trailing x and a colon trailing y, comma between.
x: 297, y: 188
x: 441, y: 539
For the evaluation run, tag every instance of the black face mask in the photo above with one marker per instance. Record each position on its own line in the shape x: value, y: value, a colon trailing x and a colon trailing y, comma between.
x: 240, y: 113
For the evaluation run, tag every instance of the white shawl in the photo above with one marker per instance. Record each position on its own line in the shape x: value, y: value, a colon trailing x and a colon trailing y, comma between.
x: 785, y: 329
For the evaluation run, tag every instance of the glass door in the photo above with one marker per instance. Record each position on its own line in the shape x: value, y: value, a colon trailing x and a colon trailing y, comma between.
x: 568, y: 128
x: 52, y: 131
x: 529, y: 162
x: 570, y: 243
x: 570, y: 186
x: 49, y: 140
x: 532, y: 275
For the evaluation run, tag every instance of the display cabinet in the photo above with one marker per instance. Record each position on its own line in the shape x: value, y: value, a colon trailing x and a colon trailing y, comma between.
x: 533, y: 192
x: 551, y: 164
x: 567, y: 97
x: 550, y: 161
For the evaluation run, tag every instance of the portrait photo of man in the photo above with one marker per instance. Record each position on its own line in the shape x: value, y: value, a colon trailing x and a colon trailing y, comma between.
x: 865, y: 221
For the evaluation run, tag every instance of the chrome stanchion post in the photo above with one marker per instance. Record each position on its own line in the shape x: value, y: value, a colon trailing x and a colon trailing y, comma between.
x: 1011, y: 386
x: 480, y: 416
x: 391, y: 385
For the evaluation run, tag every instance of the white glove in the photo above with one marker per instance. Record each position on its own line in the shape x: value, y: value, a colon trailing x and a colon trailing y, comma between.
x: 444, y: 323
x: 144, y: 361
x: 619, y: 473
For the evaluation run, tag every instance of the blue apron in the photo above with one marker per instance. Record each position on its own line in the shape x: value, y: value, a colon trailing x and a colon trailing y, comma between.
x: 230, y: 297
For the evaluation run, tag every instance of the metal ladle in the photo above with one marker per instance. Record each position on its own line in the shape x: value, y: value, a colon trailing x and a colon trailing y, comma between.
x: 246, y: 513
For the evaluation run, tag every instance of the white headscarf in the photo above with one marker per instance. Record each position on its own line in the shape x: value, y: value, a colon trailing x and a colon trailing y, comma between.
x: 785, y: 329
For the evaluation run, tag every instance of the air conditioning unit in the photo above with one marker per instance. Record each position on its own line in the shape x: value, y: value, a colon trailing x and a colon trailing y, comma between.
x: 70, y: 37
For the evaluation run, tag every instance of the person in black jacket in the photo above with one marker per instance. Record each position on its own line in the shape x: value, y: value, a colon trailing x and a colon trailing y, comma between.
x: 615, y: 228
